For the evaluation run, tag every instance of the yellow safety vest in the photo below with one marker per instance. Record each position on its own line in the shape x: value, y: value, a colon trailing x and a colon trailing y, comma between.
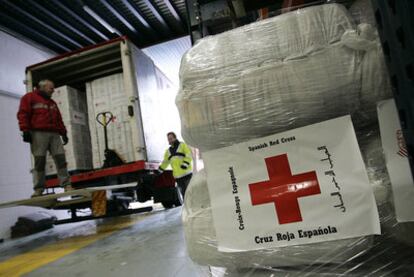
x: 182, y: 157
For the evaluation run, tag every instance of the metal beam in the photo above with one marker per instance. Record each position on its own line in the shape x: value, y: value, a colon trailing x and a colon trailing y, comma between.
x: 158, y: 15
x: 56, y: 18
x: 131, y: 7
x: 80, y: 19
x: 44, y: 25
x: 101, y: 21
x: 137, y: 14
x: 174, y: 12
x: 35, y: 34
x: 119, y: 16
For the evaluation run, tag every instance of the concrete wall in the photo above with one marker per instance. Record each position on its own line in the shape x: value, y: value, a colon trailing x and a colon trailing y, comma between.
x: 15, y: 177
x: 15, y: 55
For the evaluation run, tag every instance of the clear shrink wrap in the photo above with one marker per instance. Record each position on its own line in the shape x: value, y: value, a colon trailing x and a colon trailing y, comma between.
x: 286, y: 72
x: 392, y: 251
x: 202, y: 241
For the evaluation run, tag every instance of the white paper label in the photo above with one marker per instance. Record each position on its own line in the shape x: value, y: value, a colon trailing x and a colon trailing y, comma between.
x: 398, y: 165
x: 302, y: 186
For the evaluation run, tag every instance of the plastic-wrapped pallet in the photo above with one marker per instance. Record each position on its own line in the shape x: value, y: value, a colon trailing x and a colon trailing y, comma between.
x: 345, y: 254
x: 72, y: 105
x: 107, y: 95
x: 290, y: 71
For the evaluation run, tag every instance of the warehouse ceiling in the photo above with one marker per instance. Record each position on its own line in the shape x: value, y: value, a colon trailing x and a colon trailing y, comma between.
x: 66, y: 25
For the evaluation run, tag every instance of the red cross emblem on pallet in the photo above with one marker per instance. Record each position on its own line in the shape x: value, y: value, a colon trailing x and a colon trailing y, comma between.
x: 283, y: 189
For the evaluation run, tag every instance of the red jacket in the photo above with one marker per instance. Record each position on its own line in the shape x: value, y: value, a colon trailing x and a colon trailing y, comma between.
x: 39, y: 113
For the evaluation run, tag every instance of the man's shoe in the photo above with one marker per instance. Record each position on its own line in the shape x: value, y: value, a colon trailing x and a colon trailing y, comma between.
x: 37, y: 193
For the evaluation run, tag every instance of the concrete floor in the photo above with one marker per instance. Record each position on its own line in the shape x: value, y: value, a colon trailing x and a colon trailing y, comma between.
x: 150, y: 244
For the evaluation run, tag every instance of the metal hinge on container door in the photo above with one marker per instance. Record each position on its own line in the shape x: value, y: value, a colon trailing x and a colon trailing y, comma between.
x: 140, y: 149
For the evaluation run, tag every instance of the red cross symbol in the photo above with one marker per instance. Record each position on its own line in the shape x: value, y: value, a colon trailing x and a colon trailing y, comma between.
x: 283, y: 189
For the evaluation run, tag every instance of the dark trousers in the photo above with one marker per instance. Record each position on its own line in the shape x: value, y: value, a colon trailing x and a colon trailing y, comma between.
x: 183, y: 183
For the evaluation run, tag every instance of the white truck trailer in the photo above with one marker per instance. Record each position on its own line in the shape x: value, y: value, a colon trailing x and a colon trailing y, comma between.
x: 141, y: 99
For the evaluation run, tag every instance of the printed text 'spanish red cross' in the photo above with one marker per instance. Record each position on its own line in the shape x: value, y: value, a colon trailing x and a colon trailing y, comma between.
x: 284, y: 189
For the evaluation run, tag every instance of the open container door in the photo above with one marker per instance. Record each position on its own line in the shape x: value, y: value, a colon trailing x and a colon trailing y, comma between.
x: 137, y: 77
x: 156, y: 103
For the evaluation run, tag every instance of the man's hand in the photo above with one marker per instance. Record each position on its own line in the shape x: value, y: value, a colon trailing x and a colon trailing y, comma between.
x: 65, y: 139
x: 27, y: 137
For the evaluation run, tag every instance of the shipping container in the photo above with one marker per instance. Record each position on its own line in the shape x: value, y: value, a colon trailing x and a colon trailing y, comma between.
x: 143, y: 91
x: 115, y: 77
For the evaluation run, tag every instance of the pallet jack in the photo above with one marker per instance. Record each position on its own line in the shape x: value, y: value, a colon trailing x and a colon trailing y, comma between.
x: 111, y: 157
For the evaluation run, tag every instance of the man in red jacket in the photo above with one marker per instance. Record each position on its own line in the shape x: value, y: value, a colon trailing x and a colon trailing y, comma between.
x: 42, y: 126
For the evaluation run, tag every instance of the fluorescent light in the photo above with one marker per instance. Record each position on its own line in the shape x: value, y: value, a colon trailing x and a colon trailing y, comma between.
x: 101, y: 21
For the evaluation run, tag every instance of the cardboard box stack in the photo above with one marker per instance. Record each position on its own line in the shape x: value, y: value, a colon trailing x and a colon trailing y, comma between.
x: 72, y: 105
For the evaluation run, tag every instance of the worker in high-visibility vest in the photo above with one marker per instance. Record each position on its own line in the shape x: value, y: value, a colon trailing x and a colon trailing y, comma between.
x: 178, y: 155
